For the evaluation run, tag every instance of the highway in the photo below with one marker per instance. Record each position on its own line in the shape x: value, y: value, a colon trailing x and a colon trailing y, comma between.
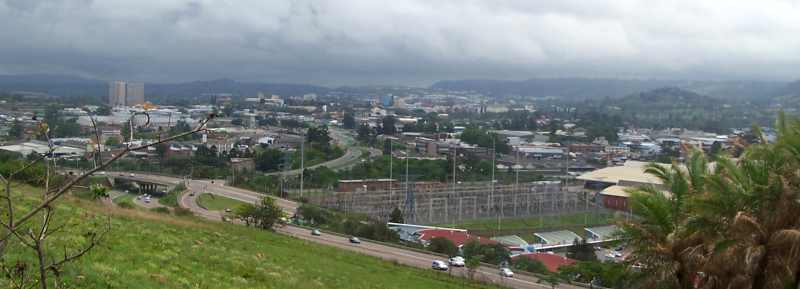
x: 390, y: 253
x: 351, y: 155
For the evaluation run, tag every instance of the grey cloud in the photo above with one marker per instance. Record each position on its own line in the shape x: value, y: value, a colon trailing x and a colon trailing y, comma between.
x: 400, y: 42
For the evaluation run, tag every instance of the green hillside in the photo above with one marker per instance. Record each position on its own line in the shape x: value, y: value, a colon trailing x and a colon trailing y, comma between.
x: 151, y: 250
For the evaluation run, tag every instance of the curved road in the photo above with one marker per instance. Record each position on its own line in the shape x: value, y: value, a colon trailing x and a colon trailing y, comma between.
x: 350, y: 157
x: 391, y: 253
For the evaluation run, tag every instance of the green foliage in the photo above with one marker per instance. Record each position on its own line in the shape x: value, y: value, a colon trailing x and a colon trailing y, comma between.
x: 493, y: 254
x: 443, y: 245
x: 530, y: 265
x: 483, y: 138
x: 16, y: 131
x: 160, y: 210
x: 268, y: 160
x: 170, y: 199
x: 263, y: 215
x: 389, y: 125
x: 608, y: 274
x: 349, y: 122
x: 396, y: 216
x: 182, y: 212
x: 581, y: 250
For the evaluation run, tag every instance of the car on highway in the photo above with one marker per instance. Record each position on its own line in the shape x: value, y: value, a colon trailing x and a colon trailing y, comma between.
x: 355, y: 240
x: 316, y: 232
x: 456, y: 261
x: 439, y: 265
x: 132, y: 175
x: 505, y: 272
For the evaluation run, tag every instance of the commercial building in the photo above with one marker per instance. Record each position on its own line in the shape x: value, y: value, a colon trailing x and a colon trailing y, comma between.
x: 116, y: 93
x: 134, y: 93
x: 121, y: 93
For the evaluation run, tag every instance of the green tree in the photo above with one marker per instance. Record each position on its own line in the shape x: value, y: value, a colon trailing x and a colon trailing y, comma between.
x: 349, y: 122
x: 388, y: 124
x: 529, y: 265
x: 396, y: 216
x: 268, y: 160
x: 472, y: 263
x: 264, y: 215
x: 16, y: 130
x: 443, y: 245
x: 581, y: 250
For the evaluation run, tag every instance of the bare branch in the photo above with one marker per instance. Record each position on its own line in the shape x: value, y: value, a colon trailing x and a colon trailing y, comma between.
x: 66, y: 187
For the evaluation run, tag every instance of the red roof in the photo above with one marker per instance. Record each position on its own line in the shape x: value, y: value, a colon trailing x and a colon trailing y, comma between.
x: 457, y: 237
x: 551, y: 261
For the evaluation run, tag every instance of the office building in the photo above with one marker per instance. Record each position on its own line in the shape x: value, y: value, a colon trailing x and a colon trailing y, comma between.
x: 134, y: 93
x: 121, y: 93
x: 116, y: 93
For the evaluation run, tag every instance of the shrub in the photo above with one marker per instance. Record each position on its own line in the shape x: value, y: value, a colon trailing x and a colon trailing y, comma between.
x: 162, y: 210
x: 182, y: 212
x: 126, y: 205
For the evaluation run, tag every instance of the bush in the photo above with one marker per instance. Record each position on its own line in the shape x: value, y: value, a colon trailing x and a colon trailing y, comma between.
x: 530, y: 265
x: 443, y: 245
x: 183, y: 212
x: 162, y: 210
x: 126, y: 205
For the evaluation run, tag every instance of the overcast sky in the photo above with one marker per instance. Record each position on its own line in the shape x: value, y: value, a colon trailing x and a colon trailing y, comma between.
x: 401, y: 42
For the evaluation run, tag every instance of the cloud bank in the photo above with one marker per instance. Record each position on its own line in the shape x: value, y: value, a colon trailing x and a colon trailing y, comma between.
x: 400, y: 42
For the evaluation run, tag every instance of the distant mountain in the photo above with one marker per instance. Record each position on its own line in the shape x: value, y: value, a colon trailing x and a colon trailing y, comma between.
x: 71, y: 86
x: 53, y: 84
x: 590, y: 88
x: 666, y: 98
x: 195, y: 88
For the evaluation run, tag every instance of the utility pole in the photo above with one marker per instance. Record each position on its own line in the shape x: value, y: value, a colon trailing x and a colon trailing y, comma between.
x: 455, y: 156
x: 302, y: 162
x: 492, y: 188
x: 391, y: 167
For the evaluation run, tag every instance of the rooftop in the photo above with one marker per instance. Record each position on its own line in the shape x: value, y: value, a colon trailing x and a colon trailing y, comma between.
x: 631, y: 171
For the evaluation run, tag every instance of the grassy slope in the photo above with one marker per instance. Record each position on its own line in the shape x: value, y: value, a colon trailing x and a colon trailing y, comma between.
x: 217, y: 203
x: 147, y: 250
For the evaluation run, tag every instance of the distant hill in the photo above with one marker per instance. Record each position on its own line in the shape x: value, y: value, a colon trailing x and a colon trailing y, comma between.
x: 666, y: 98
x: 53, y: 84
x: 591, y: 88
x: 71, y: 86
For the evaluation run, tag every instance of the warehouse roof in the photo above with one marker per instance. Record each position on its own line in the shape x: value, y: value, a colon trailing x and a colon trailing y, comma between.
x: 631, y: 171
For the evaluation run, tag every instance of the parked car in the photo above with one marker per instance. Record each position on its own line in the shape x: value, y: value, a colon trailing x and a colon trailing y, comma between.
x: 505, y: 272
x: 439, y: 265
x: 355, y: 240
x: 619, y: 248
x: 456, y: 261
x: 228, y: 210
x: 316, y: 232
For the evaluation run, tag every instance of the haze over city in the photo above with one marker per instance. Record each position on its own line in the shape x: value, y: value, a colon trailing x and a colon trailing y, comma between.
x: 402, y: 42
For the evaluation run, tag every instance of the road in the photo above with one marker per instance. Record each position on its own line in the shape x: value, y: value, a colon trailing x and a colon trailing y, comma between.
x: 390, y: 253
x: 351, y: 155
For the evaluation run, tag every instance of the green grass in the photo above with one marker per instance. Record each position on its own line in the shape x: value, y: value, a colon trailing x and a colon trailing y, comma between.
x: 149, y: 250
x: 525, y: 227
x: 170, y: 199
x: 217, y: 203
x: 124, y: 198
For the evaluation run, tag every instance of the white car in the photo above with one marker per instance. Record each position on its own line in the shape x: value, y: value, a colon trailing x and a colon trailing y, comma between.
x: 439, y: 265
x: 505, y: 272
x: 456, y: 261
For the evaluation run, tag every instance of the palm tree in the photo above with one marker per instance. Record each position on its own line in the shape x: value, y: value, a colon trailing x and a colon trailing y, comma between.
x: 737, y: 226
x: 658, y: 235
